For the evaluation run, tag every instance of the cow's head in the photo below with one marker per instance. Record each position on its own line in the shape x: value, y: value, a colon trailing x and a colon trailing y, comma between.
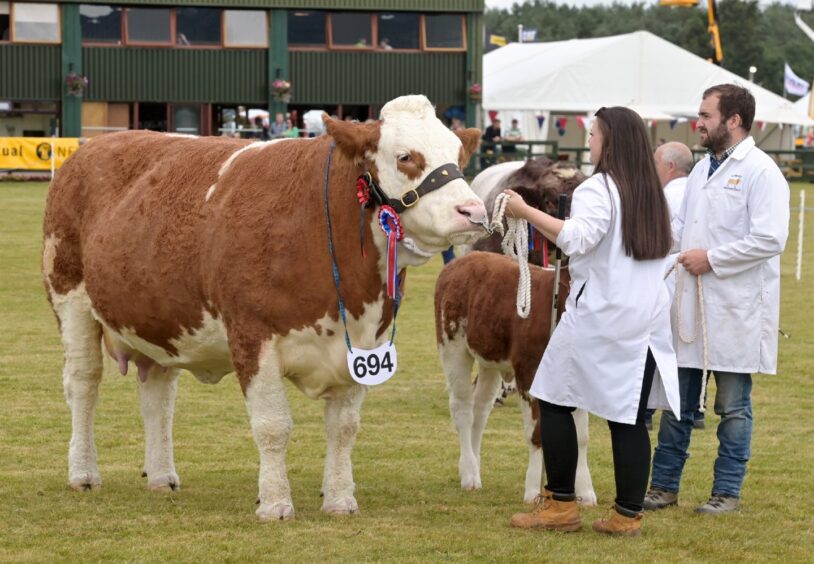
x: 541, y: 181
x: 401, y: 151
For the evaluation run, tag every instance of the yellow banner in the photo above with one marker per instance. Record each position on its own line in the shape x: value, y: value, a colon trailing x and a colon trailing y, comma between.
x: 34, y: 153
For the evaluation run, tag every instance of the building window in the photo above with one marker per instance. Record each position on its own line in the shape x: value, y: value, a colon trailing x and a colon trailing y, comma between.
x: 306, y: 28
x: 5, y: 22
x: 444, y: 31
x: 197, y: 26
x: 399, y: 30
x: 149, y: 25
x: 186, y: 119
x: 36, y: 23
x: 246, y: 28
x: 351, y: 30
x: 101, y: 24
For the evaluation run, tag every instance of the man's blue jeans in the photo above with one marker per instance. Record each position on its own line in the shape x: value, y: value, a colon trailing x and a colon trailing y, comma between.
x: 733, y: 404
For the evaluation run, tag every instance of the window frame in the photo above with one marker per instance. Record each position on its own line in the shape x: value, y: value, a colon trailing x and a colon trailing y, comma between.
x: 12, y: 20
x: 10, y: 26
x: 314, y: 46
x: 126, y: 28
x: 121, y: 42
x: 424, y: 46
x: 224, y: 45
x: 210, y: 46
x: 374, y: 35
x: 396, y: 49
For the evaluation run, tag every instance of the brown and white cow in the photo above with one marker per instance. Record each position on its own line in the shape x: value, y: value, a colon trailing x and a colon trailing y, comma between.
x: 212, y: 255
x: 476, y: 320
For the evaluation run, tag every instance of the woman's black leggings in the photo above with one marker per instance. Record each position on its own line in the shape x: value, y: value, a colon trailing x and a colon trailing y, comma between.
x: 631, y: 449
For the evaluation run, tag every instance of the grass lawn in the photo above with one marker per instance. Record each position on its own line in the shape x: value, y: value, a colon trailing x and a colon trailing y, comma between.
x: 412, y: 508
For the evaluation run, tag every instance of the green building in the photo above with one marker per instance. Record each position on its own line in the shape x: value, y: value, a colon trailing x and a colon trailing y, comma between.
x: 208, y: 66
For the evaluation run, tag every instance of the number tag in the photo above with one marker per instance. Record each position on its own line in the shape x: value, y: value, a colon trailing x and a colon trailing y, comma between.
x: 371, y: 367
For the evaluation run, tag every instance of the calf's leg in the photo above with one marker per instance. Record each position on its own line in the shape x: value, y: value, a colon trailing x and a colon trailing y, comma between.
x: 534, y: 470
x: 483, y: 400
x: 457, y: 364
x: 583, y: 485
x: 341, y: 425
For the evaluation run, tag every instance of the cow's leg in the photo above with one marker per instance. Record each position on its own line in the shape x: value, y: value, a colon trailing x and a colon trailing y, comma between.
x: 487, y: 386
x: 584, y: 486
x: 535, y: 469
x: 457, y: 364
x: 271, y: 424
x: 81, y: 374
x: 157, y: 395
x: 341, y: 426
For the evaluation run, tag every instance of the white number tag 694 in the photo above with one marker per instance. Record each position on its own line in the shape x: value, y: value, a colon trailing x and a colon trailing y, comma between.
x: 371, y: 367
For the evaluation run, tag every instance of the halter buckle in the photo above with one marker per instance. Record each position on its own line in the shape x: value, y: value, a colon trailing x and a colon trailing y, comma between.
x: 413, y: 200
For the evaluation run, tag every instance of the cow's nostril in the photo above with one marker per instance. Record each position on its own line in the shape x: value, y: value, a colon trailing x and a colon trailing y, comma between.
x: 463, y: 211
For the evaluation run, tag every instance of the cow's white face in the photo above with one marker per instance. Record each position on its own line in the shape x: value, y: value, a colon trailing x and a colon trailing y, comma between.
x: 401, y: 150
x: 413, y: 142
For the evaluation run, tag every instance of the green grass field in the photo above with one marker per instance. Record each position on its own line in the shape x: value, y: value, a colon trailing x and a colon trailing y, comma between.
x: 412, y: 508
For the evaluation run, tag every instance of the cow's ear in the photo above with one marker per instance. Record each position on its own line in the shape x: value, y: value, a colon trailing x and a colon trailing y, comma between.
x: 354, y: 139
x: 470, y: 139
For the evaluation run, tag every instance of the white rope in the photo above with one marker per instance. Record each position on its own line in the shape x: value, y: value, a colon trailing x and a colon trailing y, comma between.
x: 515, y: 244
x: 704, y: 337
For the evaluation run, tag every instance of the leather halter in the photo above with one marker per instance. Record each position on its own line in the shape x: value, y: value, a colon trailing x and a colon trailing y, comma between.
x: 439, y: 177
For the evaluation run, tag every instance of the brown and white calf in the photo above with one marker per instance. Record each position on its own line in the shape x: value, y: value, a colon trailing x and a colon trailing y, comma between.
x: 476, y: 320
x: 212, y: 255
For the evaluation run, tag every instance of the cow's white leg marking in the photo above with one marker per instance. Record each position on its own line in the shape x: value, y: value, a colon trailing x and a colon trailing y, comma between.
x: 584, y: 486
x: 488, y: 383
x: 271, y: 424
x: 341, y: 426
x: 81, y: 374
x: 535, y: 470
x: 157, y: 397
x: 457, y: 363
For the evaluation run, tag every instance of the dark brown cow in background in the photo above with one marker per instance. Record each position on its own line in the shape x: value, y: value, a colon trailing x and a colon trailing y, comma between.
x: 212, y: 255
x: 539, y: 181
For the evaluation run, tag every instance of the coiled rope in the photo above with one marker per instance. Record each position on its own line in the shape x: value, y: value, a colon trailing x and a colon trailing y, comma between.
x: 515, y: 244
x: 699, y: 294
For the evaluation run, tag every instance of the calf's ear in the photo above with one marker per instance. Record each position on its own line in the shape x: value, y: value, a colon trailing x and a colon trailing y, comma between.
x: 354, y: 139
x: 470, y: 139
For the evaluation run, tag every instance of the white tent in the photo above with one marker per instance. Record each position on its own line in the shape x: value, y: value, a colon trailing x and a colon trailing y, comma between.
x: 803, y: 105
x: 640, y: 70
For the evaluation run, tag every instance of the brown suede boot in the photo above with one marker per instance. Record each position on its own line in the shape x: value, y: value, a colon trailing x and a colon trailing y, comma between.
x: 550, y: 514
x: 620, y: 525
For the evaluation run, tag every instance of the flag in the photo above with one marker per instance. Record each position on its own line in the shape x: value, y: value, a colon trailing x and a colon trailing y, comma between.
x: 529, y: 35
x: 540, y: 120
x: 793, y: 84
x: 498, y: 40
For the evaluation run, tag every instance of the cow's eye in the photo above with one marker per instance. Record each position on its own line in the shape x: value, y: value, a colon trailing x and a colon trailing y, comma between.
x: 406, y: 158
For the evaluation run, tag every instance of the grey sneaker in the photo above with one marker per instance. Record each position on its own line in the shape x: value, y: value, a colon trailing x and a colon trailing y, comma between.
x: 719, y: 503
x: 659, y: 498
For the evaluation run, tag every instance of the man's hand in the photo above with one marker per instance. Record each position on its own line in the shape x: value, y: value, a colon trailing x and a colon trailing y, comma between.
x: 695, y: 261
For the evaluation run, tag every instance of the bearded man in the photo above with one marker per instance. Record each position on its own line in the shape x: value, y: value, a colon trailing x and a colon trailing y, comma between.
x: 731, y: 229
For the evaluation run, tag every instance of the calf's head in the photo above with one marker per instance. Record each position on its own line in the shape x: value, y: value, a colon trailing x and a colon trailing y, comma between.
x: 409, y: 150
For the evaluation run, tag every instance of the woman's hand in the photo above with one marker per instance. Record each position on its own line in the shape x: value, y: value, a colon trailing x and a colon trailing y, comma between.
x: 516, y: 207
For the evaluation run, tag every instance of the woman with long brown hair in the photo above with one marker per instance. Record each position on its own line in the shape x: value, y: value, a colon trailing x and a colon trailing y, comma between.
x: 616, y: 326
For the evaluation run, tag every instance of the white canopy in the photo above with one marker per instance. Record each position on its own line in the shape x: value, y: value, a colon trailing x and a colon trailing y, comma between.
x: 639, y: 70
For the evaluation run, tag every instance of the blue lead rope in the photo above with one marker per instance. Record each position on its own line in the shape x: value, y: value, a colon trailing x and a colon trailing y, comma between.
x: 335, y: 268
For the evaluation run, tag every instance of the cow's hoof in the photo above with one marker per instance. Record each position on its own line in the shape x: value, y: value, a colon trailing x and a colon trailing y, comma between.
x: 471, y: 483
x: 345, y: 506
x: 169, y: 482
x: 280, y: 511
x: 586, y: 499
x: 86, y: 482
